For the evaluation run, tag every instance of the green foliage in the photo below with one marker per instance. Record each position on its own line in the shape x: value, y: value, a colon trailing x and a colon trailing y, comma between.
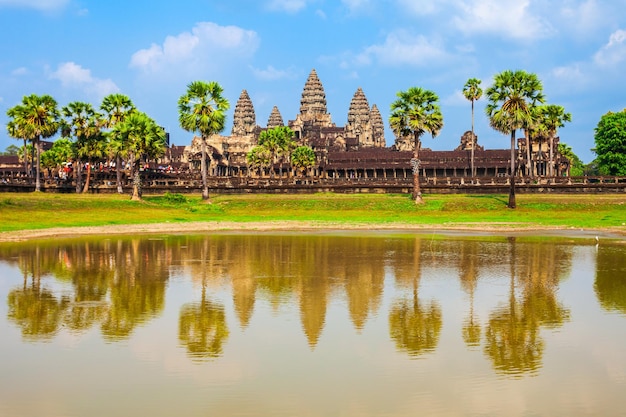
x: 511, y: 97
x: 303, y: 158
x: 175, y: 198
x: 577, y: 168
x: 10, y: 150
x: 63, y: 150
x: 610, y: 141
x: 415, y: 112
x: 202, y: 109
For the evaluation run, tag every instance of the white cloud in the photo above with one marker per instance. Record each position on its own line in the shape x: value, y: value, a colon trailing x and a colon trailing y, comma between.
x: 271, y: 73
x: 584, y: 15
x: 75, y: 76
x: 355, y: 6
x: 289, y: 6
x: 20, y: 71
x: 506, y: 18
x: 614, y: 52
x: 420, y: 8
x: 206, y: 42
x: 403, y: 48
x: 44, y: 5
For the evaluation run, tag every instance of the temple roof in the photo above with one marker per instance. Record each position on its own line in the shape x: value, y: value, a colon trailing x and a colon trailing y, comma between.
x: 244, y: 119
x: 313, y: 96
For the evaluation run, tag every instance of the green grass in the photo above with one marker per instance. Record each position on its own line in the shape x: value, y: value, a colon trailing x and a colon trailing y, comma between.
x: 40, y: 210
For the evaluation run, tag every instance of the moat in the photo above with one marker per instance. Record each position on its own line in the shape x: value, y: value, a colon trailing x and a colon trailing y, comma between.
x: 322, y: 324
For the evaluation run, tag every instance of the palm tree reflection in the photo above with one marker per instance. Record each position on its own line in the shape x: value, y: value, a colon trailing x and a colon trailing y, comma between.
x: 413, y: 325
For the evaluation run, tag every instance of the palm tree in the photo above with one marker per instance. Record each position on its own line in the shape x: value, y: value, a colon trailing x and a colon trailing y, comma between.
x: 473, y: 92
x: 202, y: 109
x: 144, y: 139
x: 415, y: 112
x: 36, y: 118
x: 302, y: 158
x: 553, y: 117
x: 116, y: 108
x: 258, y: 159
x: 279, y: 143
x: 84, y: 124
x: 511, y: 97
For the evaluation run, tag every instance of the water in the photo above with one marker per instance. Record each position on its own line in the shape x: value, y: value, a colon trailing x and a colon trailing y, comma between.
x: 313, y: 325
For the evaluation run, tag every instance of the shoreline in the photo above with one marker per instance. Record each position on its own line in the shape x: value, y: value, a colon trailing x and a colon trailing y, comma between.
x: 475, y: 229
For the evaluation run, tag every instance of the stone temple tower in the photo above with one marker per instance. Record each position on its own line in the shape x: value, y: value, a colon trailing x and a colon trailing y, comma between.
x: 365, y: 125
x: 313, y: 102
x: 378, y: 128
x: 244, y: 119
x: 275, y: 119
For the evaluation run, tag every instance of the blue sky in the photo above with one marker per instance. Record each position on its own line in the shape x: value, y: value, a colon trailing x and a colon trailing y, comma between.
x: 82, y: 50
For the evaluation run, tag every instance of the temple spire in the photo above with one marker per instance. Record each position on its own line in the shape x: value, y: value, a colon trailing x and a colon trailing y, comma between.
x: 244, y: 118
x: 313, y: 97
x: 275, y: 119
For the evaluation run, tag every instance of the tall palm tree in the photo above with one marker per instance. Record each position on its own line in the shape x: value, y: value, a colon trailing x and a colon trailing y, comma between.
x: 473, y: 92
x: 416, y: 112
x: 202, y: 109
x: 145, y: 139
x: 116, y: 108
x: 83, y: 123
x: 553, y: 117
x: 511, y: 97
x: 36, y: 118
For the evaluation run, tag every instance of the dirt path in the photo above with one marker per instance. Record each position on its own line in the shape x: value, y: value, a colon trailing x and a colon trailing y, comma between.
x: 297, y: 226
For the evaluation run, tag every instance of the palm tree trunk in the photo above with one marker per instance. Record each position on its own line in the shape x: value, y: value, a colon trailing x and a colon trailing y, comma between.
x: 417, y: 192
x: 136, y: 182
x: 25, y: 159
x: 529, y: 165
x: 86, y: 188
x: 203, y: 168
x: 37, y: 162
x: 512, y: 173
x: 78, y: 176
x: 118, y: 173
x: 551, y: 172
x: 473, y: 142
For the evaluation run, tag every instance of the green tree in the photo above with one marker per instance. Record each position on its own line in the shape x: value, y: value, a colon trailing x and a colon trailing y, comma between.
x: 11, y: 150
x: 279, y: 143
x: 576, y: 166
x: 416, y: 112
x: 473, y: 92
x: 144, y: 140
x: 302, y: 159
x: 511, y: 98
x: 610, y: 140
x: 116, y: 108
x: 202, y: 109
x: 35, y: 119
x: 258, y: 158
x: 82, y: 122
x: 62, y: 151
x: 553, y: 117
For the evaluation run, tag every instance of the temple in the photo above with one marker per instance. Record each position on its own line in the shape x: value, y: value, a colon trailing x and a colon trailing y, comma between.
x: 358, y: 149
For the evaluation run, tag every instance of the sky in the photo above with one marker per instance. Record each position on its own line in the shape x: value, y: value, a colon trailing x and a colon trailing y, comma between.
x: 83, y: 50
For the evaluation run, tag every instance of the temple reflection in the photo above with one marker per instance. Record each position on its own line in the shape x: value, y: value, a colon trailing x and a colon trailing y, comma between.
x: 117, y: 285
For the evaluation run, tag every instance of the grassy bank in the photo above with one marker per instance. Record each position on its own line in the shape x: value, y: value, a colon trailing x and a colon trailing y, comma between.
x: 39, y: 211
